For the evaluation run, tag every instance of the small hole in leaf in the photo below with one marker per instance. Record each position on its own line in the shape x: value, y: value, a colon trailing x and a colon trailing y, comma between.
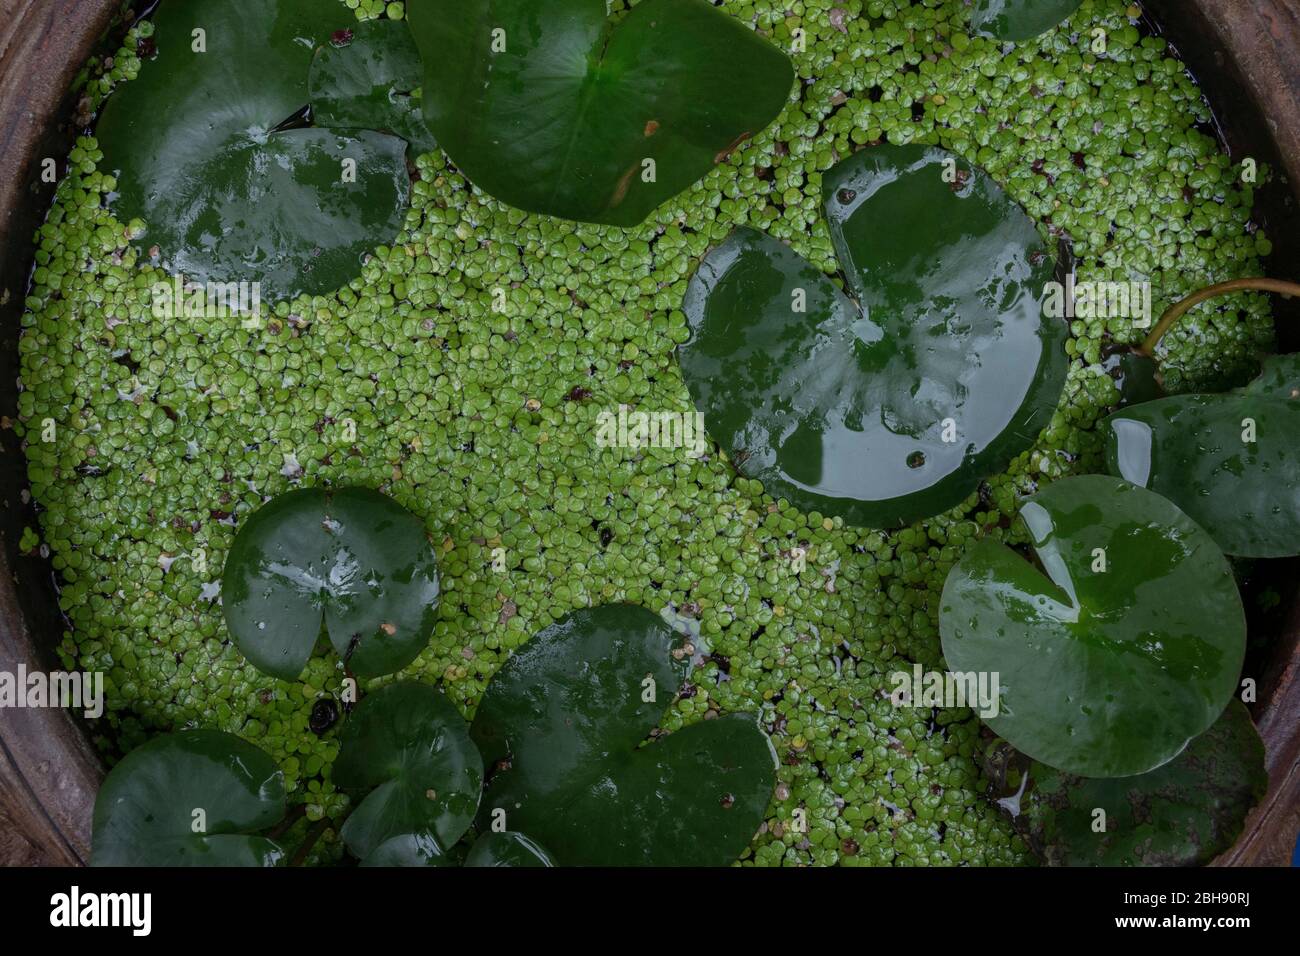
x: 916, y: 459
x: 846, y: 196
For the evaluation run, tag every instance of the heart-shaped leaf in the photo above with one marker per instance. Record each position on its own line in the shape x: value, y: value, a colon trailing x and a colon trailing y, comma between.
x: 227, y: 197
x: 1020, y: 20
x: 1126, y: 645
x: 351, y: 560
x: 365, y: 80
x: 194, y: 798
x: 1232, y: 462
x: 411, y: 744
x: 507, y: 849
x: 554, y: 108
x: 1182, y: 814
x: 896, y: 406
x: 562, y: 722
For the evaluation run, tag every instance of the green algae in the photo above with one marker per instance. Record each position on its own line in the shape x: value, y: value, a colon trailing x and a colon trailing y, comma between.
x: 464, y: 372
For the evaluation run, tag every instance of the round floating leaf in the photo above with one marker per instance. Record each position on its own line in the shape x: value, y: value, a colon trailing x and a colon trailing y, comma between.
x: 1126, y: 645
x: 1020, y: 20
x: 1183, y: 814
x: 563, y: 722
x: 554, y: 108
x: 1232, y: 462
x: 226, y: 196
x: 352, y: 560
x: 365, y: 80
x: 507, y: 849
x: 895, y: 406
x: 194, y: 798
x: 408, y: 849
x: 411, y: 744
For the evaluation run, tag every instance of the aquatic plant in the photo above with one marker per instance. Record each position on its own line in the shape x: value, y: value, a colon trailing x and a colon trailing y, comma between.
x: 350, y: 563
x: 892, y: 400
x: 555, y: 107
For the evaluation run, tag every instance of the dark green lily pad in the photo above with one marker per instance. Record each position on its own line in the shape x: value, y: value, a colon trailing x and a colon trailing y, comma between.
x: 408, y: 849
x: 1136, y: 376
x: 893, y: 407
x: 1020, y: 20
x: 351, y: 560
x: 563, y: 722
x: 411, y: 744
x: 1183, y: 814
x: 1192, y: 450
x: 1103, y: 673
x: 366, y: 81
x: 194, y: 798
x: 226, y: 196
x: 562, y: 120
x: 507, y: 849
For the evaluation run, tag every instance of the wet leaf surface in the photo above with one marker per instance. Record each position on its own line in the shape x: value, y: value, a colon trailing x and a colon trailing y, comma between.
x: 411, y: 744
x: 1183, y: 814
x: 507, y: 849
x: 1103, y: 673
x: 366, y: 82
x: 893, y: 405
x: 1231, y: 461
x: 151, y: 803
x: 1020, y: 20
x: 562, y: 115
x: 563, y: 723
x: 226, y: 197
x: 408, y: 849
x: 352, y: 561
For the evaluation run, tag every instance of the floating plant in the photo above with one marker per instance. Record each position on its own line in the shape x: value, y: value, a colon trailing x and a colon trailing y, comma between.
x: 1184, y: 813
x: 194, y: 798
x: 409, y: 743
x: 507, y: 849
x: 210, y: 150
x: 366, y: 78
x: 895, y: 404
x: 409, y: 850
x: 554, y: 107
x: 353, y: 561
x: 1231, y: 461
x: 1020, y: 20
x: 562, y: 727
x: 1125, y: 645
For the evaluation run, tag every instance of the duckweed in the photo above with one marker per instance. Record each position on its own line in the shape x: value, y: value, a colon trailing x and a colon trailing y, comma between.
x: 463, y: 372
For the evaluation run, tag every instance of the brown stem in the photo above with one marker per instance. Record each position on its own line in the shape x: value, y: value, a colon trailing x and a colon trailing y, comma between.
x: 1178, y: 310
x: 290, y: 818
x: 315, y: 833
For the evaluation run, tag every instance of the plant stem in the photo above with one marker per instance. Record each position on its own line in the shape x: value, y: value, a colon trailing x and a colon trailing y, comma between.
x: 1180, y: 309
x: 290, y: 818
x: 317, y: 830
